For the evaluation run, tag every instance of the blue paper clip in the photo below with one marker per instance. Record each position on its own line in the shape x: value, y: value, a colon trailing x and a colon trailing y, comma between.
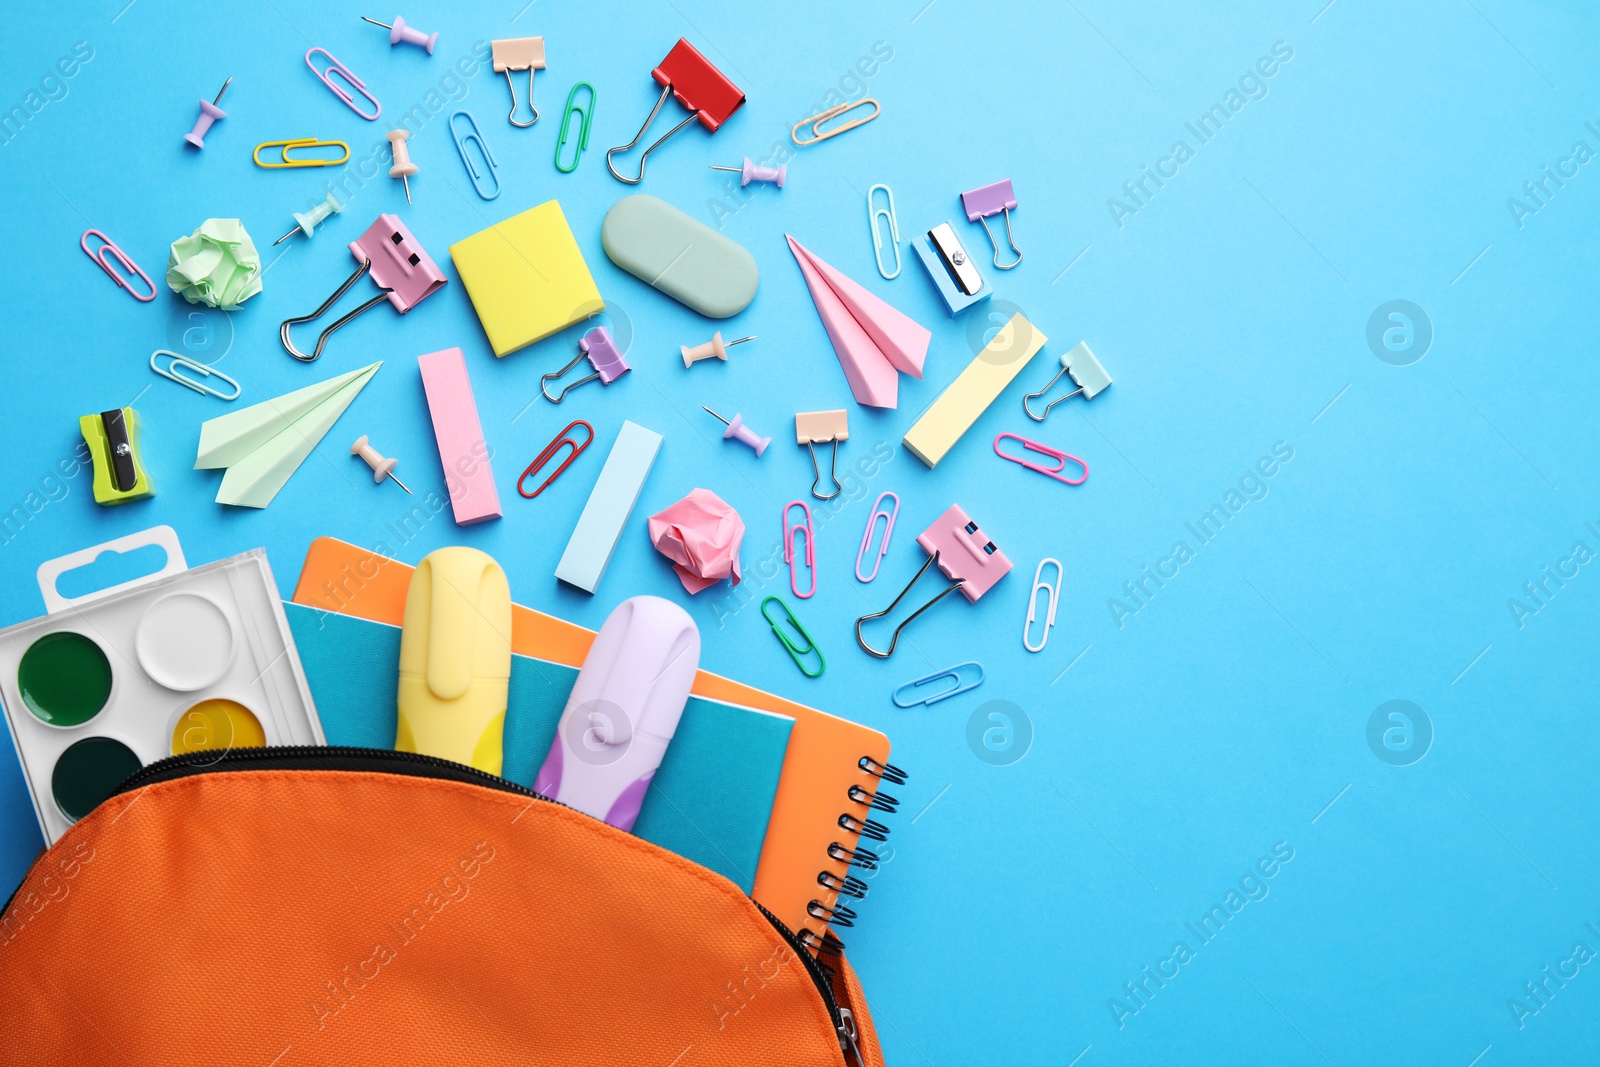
x: 873, y: 215
x: 586, y: 111
x: 491, y: 168
x: 795, y: 651
x: 955, y: 672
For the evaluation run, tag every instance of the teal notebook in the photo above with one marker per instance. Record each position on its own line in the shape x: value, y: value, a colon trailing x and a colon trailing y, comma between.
x: 709, y: 802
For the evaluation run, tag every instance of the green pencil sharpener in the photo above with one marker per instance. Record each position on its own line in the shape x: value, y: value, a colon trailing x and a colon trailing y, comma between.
x: 113, y: 440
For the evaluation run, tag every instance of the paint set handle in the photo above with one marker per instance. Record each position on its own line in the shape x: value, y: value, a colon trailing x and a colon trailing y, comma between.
x: 51, y: 570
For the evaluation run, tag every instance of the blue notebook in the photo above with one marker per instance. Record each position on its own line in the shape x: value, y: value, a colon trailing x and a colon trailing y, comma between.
x: 709, y: 802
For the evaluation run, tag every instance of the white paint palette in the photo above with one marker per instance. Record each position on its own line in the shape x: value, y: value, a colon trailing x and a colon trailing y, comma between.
x: 182, y: 660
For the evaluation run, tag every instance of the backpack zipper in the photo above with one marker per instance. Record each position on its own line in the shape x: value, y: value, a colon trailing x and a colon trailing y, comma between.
x: 317, y: 757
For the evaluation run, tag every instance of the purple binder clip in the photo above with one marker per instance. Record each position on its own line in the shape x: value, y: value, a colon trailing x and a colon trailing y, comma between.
x: 400, y: 267
x: 601, y: 351
x: 964, y: 554
x: 325, y: 76
x: 988, y: 200
x: 623, y: 711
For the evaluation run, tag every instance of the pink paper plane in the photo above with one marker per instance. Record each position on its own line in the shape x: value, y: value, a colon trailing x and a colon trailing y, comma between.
x: 874, y: 342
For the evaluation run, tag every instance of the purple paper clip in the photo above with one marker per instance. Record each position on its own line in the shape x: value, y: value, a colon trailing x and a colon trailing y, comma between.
x: 789, y: 553
x: 109, y: 247
x: 866, y: 535
x: 344, y: 72
x: 988, y: 200
x: 400, y: 267
x: 601, y: 351
x: 964, y: 554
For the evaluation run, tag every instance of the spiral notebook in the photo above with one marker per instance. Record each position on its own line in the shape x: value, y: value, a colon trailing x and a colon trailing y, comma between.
x: 827, y: 814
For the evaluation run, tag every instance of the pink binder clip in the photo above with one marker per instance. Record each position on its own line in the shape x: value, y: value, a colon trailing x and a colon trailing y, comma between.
x: 325, y: 76
x: 400, y: 267
x: 109, y: 247
x: 966, y: 556
x: 1056, y: 454
x: 789, y: 553
x: 698, y: 86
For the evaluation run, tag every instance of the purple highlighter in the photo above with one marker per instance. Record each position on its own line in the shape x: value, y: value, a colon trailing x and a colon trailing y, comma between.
x: 623, y: 711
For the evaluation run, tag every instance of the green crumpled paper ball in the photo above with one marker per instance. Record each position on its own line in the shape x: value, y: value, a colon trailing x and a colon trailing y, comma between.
x: 216, y: 265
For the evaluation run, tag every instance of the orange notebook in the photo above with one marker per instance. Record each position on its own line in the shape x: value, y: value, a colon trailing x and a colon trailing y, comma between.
x: 823, y: 761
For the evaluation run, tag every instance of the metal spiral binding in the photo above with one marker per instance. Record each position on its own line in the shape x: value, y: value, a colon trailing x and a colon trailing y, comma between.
x: 838, y: 915
x: 874, y: 801
x: 887, y: 771
x: 864, y: 858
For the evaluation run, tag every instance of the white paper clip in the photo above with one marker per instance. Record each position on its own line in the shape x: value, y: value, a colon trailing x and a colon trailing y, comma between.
x: 170, y: 372
x: 1051, y: 601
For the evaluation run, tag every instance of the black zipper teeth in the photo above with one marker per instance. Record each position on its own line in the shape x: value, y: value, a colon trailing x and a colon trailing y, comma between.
x: 204, y: 762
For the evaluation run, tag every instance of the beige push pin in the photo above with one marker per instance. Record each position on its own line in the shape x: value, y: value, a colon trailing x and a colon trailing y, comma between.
x: 713, y: 347
x: 382, y: 467
x: 403, y: 167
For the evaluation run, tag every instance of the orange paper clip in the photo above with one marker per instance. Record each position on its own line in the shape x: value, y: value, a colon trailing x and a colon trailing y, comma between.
x: 815, y: 134
x: 1056, y: 454
x: 549, y: 453
x: 109, y: 247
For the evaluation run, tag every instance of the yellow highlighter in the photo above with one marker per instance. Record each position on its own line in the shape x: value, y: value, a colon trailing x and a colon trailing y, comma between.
x: 455, y: 659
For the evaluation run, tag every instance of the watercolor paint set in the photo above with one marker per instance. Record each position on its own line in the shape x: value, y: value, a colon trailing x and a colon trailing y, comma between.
x: 178, y: 661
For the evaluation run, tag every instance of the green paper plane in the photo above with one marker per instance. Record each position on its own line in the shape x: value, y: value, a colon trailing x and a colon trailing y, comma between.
x: 262, y: 445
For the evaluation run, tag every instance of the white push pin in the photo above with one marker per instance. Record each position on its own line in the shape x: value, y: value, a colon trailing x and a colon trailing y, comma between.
x: 381, y: 467
x: 755, y: 172
x: 306, y: 221
x: 714, y: 347
x: 403, y: 167
x: 409, y: 34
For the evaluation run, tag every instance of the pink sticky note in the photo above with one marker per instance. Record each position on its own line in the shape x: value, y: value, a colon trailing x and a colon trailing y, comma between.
x: 701, y: 535
x: 462, y: 450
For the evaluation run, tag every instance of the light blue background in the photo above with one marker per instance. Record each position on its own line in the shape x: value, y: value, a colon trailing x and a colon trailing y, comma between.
x: 1230, y: 712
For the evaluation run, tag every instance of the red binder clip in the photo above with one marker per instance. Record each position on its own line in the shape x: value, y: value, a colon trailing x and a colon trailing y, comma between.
x: 966, y: 556
x: 699, y: 86
x: 400, y: 267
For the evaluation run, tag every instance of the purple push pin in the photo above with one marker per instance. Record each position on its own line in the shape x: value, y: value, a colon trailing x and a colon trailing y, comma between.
x: 755, y: 172
x: 209, y: 113
x: 409, y: 34
x: 601, y: 351
x: 738, y: 429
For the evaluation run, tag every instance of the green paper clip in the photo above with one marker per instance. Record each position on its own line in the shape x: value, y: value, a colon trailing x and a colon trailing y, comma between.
x: 113, y: 440
x: 795, y: 651
x: 587, y: 111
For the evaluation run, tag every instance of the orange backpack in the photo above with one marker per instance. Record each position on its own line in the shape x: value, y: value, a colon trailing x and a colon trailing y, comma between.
x: 289, y: 906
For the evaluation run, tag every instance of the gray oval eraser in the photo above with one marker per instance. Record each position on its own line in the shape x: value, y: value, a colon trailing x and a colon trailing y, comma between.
x: 682, y: 257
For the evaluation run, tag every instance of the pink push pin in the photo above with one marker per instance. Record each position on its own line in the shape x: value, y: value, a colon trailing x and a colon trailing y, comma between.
x: 755, y: 172
x: 382, y: 466
x: 409, y: 34
x: 403, y: 167
x: 738, y: 429
x: 209, y: 113
x: 715, y: 347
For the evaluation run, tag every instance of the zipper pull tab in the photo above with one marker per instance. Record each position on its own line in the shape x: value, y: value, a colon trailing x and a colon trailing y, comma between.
x: 847, y: 1036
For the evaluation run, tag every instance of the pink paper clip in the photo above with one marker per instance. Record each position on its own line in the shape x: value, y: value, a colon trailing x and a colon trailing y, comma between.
x: 866, y: 536
x: 789, y: 553
x: 1056, y: 454
x: 702, y: 88
x: 335, y: 67
x: 965, y: 555
x: 400, y: 267
x: 108, y: 246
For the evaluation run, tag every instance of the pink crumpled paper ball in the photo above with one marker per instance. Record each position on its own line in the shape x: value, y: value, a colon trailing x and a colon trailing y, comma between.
x: 701, y: 535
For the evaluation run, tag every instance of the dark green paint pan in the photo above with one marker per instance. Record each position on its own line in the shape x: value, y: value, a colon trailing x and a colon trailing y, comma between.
x: 88, y: 772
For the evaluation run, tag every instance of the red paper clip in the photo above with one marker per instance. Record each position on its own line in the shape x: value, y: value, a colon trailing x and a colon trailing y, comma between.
x: 99, y: 256
x: 549, y: 453
x: 694, y: 83
x: 1056, y: 454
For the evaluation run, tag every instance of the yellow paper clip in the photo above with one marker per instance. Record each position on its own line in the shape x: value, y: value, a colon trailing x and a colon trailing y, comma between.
x: 304, y: 143
x: 816, y: 121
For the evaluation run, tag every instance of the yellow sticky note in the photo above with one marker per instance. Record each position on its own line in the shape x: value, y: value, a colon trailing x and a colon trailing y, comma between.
x: 974, y: 389
x: 526, y: 278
